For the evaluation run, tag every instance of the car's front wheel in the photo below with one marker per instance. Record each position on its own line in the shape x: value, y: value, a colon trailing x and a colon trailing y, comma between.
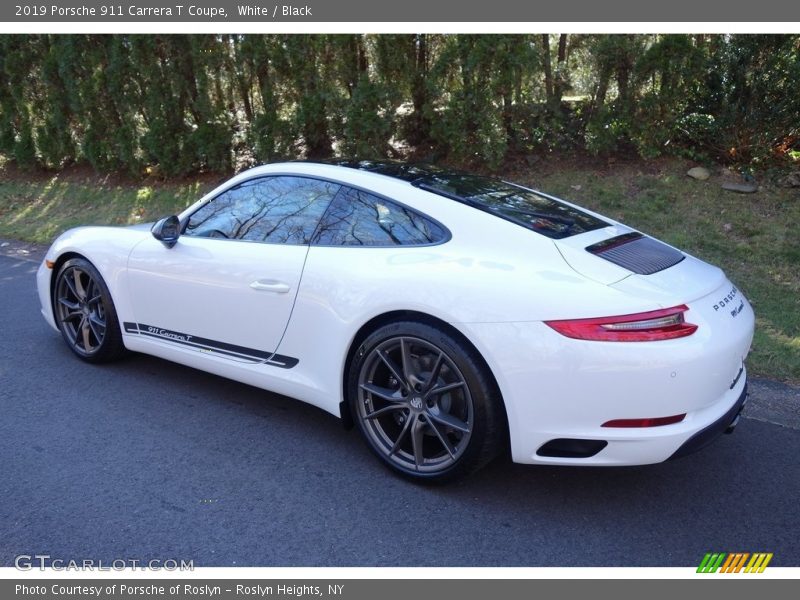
x: 425, y: 403
x: 85, y: 313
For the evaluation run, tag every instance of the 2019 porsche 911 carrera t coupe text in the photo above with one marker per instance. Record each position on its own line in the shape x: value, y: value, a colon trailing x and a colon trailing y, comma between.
x: 448, y: 316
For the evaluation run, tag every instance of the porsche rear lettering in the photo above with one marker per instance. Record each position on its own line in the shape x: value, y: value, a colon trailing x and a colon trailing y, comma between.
x: 727, y: 299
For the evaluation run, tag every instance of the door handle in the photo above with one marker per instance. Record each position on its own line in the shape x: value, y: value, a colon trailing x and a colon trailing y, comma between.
x: 270, y: 285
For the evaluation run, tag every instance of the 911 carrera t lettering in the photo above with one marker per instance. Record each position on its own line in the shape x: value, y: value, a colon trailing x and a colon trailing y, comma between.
x: 169, y: 334
x: 256, y: 356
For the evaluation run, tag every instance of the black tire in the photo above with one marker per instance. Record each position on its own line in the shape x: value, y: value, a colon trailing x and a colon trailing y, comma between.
x: 85, y: 313
x: 425, y: 403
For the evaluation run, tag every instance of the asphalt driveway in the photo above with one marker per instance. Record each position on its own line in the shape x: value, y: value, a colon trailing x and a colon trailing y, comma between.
x: 147, y: 459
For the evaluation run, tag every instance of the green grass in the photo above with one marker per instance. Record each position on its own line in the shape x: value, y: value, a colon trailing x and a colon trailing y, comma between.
x: 40, y: 209
x: 754, y: 238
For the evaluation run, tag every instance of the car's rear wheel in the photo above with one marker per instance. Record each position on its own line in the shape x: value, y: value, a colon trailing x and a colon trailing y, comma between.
x: 425, y: 403
x: 85, y: 313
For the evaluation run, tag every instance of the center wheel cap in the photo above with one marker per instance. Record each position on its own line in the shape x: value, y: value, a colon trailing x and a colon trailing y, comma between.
x: 417, y: 403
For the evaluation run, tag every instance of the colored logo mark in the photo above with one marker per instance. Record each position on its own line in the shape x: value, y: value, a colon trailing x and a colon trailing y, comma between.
x: 734, y: 562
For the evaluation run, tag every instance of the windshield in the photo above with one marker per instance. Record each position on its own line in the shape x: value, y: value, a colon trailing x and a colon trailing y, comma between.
x: 520, y: 205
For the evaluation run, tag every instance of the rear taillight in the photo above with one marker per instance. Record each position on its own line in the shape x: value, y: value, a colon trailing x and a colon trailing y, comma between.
x: 663, y: 324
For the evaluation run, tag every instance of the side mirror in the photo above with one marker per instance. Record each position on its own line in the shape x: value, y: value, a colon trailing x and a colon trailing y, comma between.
x: 167, y: 231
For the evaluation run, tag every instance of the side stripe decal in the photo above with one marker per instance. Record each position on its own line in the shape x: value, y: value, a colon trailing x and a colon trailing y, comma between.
x: 229, y: 350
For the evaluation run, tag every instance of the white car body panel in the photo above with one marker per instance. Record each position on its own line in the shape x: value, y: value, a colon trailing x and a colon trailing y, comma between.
x: 216, y: 289
x: 578, y: 385
x: 107, y: 248
x: 596, y: 269
x: 493, y: 281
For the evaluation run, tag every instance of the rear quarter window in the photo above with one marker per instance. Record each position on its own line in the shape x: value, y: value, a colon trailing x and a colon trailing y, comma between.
x: 358, y: 218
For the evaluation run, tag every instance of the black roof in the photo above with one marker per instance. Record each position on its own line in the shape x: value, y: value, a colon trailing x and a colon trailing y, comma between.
x: 533, y: 210
x: 411, y: 172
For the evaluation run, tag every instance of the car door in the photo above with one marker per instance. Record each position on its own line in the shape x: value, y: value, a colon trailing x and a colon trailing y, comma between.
x: 229, y: 284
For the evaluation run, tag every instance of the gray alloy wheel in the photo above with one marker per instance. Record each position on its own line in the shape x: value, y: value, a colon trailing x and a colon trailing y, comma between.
x: 85, y: 313
x: 423, y: 403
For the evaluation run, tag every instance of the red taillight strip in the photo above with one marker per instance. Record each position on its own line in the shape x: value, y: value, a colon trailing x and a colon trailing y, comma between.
x: 650, y: 422
x: 654, y: 325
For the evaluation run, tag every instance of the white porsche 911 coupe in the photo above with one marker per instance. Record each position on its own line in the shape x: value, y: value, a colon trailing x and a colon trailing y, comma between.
x: 449, y: 316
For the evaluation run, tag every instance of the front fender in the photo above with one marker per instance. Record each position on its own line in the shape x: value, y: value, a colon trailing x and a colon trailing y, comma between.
x: 107, y: 248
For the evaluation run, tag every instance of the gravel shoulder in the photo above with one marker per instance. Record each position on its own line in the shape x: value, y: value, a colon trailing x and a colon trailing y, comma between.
x: 22, y: 250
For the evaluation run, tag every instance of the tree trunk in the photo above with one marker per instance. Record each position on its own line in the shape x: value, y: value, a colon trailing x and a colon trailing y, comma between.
x: 624, y: 68
x: 604, y: 80
x: 560, y: 79
x: 508, y: 119
x: 420, y: 127
x: 623, y: 80
x: 361, y: 51
x: 238, y: 65
x: 548, y: 69
x: 313, y: 102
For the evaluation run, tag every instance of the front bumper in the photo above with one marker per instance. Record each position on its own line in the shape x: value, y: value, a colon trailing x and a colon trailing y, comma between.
x: 43, y: 276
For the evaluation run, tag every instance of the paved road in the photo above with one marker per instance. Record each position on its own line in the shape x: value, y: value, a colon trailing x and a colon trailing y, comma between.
x: 146, y: 459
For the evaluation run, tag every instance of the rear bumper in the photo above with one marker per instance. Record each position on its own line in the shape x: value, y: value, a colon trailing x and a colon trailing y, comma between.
x: 556, y: 388
x: 705, y: 436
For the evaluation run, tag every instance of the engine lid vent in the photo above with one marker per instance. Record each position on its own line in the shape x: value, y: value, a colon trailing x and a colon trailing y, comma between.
x: 637, y: 253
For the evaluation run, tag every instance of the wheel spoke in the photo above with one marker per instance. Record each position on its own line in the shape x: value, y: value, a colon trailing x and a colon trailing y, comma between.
x: 385, y: 410
x: 450, y: 421
x: 403, y: 432
x: 437, y: 368
x: 442, y: 438
x: 71, y: 316
x: 94, y: 324
x: 445, y: 388
x: 382, y: 392
x: 70, y: 305
x: 94, y: 300
x: 405, y: 353
x: 79, y: 290
x: 71, y: 285
x: 392, y: 367
x: 97, y: 320
x: 87, y: 344
x: 75, y: 335
x: 417, y: 440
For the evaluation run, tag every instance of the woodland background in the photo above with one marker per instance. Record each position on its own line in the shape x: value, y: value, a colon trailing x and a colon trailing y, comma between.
x: 183, y: 104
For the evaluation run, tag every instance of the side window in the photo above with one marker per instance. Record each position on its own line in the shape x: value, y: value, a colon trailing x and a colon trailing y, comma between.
x: 276, y: 210
x: 357, y: 218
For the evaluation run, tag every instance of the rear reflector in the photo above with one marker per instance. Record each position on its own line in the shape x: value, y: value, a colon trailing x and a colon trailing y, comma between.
x: 652, y: 422
x: 663, y: 324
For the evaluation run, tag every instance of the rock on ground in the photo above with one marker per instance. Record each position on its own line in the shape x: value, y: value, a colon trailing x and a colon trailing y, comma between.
x: 699, y: 173
x: 742, y: 188
x: 792, y: 180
